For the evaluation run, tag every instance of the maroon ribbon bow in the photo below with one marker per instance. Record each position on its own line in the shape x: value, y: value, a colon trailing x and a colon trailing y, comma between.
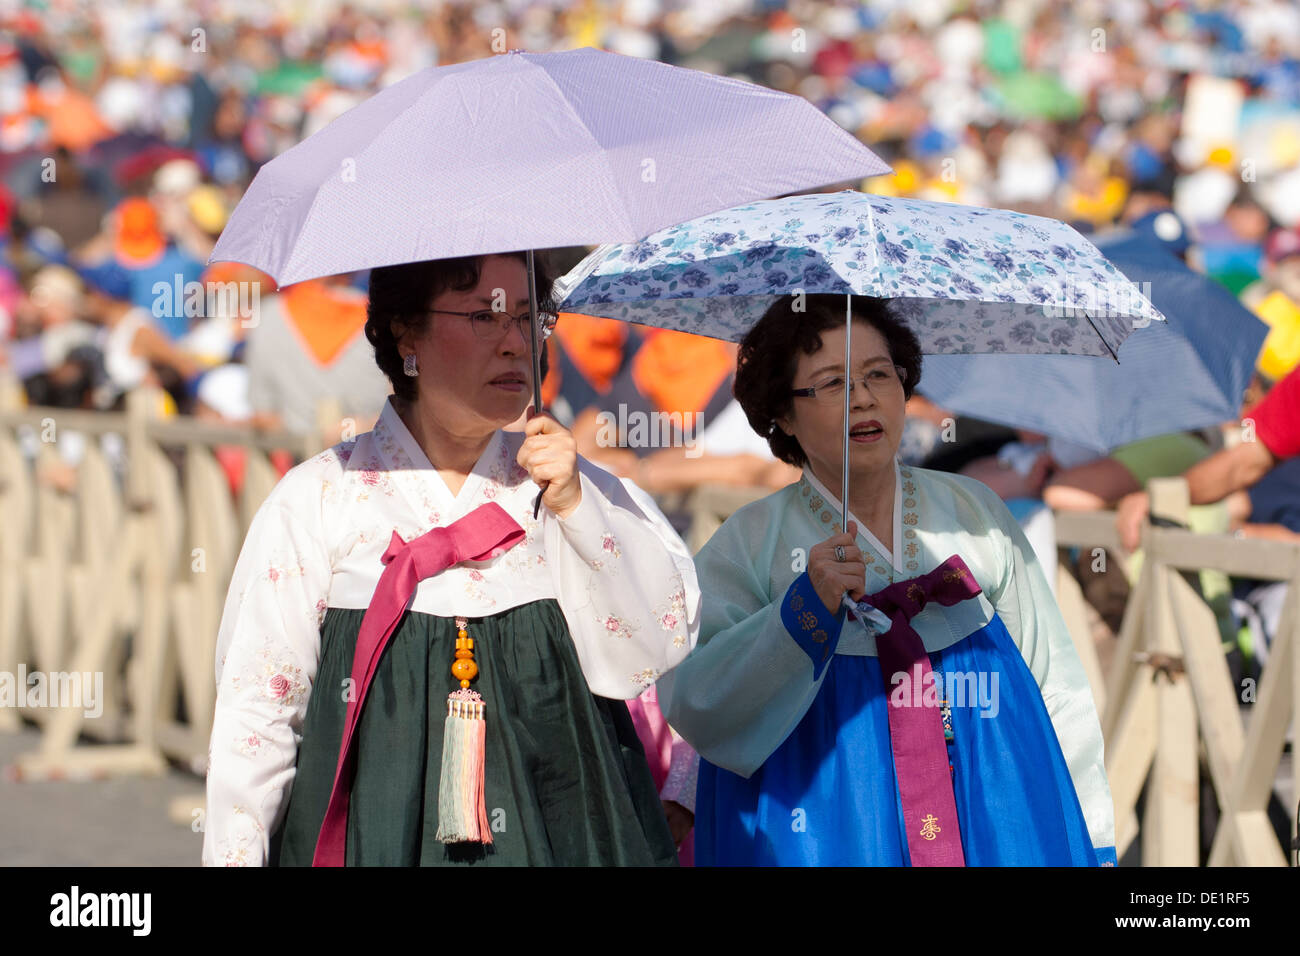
x: 916, y: 733
x: 485, y: 532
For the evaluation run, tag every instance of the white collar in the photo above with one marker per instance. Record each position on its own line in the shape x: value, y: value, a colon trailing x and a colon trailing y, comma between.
x: 895, y: 557
x: 403, y: 453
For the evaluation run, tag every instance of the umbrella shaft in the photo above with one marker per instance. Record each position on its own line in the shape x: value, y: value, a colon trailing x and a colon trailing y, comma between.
x: 537, y: 358
x: 848, y: 389
x: 532, y: 326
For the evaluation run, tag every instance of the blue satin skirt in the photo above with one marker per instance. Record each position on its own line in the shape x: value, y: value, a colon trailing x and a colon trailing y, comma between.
x: 828, y: 795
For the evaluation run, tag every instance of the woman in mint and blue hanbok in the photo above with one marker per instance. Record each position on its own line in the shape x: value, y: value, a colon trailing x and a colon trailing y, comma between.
x: 905, y: 692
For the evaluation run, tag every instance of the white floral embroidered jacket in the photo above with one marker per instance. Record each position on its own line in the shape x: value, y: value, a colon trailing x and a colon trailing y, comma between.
x: 621, y: 575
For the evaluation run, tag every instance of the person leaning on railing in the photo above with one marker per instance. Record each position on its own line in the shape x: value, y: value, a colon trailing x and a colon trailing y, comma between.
x: 1276, y: 438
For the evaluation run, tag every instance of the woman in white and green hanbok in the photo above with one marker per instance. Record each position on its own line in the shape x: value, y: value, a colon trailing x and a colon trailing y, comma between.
x: 329, y: 748
x: 787, y: 701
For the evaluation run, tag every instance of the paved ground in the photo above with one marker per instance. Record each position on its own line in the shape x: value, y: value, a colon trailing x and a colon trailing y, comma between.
x: 119, y: 822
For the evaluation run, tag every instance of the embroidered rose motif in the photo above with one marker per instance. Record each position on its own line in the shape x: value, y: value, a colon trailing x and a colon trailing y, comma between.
x: 474, y: 591
x: 672, y: 614
x: 278, y: 686
x: 616, y: 626
x: 275, y: 572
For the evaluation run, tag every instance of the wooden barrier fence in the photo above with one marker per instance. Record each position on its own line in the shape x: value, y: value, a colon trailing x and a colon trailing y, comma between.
x: 1170, y: 696
x: 126, y: 580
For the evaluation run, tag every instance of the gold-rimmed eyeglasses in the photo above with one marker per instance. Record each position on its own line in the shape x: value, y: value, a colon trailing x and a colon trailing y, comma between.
x: 881, y: 380
x: 491, y: 325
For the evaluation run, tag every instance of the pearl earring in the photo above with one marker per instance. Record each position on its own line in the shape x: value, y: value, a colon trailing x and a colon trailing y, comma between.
x: 408, y: 365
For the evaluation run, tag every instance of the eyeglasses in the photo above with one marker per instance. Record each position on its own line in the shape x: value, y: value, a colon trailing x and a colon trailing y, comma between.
x: 882, y: 381
x: 491, y: 325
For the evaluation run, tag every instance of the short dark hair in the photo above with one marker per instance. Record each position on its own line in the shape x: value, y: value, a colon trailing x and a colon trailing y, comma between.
x: 403, y: 293
x: 769, y: 355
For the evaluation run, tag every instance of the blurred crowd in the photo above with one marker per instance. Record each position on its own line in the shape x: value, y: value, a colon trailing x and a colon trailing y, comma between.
x: 130, y: 132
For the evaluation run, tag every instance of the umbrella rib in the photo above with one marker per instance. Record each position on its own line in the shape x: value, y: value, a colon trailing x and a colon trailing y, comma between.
x: 317, y: 191
x: 602, y: 151
x: 395, y: 118
x: 1102, y: 337
x: 414, y: 104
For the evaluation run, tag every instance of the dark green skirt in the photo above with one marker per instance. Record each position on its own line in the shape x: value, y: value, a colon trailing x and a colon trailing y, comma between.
x: 566, y: 779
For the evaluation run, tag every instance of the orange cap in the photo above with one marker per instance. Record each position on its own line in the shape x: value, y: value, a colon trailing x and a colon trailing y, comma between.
x: 139, y: 239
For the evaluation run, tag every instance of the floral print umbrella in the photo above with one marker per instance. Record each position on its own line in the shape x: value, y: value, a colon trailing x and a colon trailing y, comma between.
x: 966, y: 279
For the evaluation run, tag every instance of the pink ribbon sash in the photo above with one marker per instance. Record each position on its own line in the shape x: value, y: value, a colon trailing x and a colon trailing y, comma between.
x: 916, y: 733
x: 485, y: 532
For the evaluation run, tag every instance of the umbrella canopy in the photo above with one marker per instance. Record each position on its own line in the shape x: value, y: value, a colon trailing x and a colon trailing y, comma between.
x: 1187, y: 373
x: 967, y: 279
x: 528, y: 151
